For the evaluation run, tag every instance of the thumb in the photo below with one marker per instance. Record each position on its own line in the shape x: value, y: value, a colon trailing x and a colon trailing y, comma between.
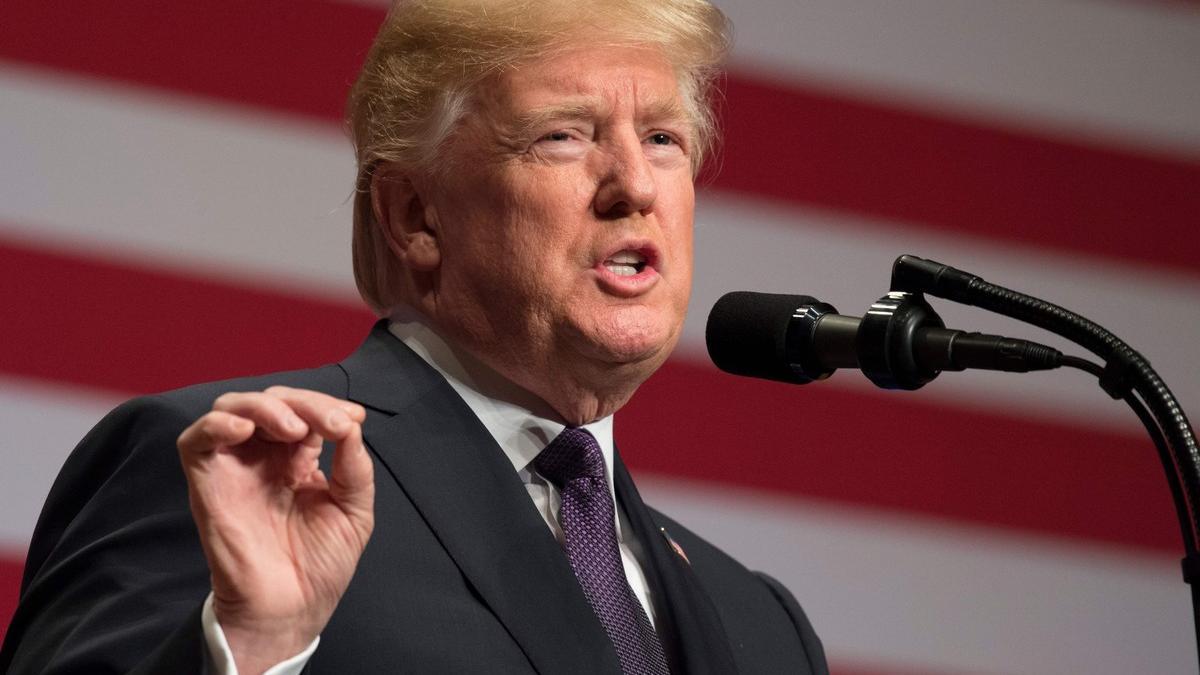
x: 352, y: 478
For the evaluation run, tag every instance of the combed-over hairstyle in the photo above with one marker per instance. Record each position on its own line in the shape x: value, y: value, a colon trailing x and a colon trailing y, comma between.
x: 430, y: 55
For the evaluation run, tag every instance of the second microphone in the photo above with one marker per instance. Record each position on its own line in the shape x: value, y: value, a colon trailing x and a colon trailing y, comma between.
x: 900, y: 343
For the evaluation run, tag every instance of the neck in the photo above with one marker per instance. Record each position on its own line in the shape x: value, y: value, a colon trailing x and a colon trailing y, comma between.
x: 573, y: 395
x: 581, y: 400
x: 549, y: 390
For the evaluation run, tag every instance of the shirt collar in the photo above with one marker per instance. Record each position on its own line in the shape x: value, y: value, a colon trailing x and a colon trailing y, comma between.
x: 506, y: 410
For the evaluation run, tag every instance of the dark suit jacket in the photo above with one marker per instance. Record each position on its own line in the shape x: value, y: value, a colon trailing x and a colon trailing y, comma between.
x: 461, y: 574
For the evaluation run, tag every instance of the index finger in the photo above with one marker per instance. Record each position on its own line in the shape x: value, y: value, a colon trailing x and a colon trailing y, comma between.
x: 329, y: 416
x: 354, y: 410
x: 212, y: 430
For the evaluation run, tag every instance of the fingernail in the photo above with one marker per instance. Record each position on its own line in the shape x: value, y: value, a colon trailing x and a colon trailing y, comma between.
x: 292, y: 422
x: 338, y: 420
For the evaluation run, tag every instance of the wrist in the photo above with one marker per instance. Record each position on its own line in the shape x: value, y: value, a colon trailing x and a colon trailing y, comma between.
x: 257, y: 646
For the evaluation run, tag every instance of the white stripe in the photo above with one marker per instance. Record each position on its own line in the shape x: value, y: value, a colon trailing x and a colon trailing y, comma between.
x: 880, y: 588
x: 41, y: 424
x: 259, y: 199
x: 1120, y: 70
x: 920, y: 597
x: 179, y: 181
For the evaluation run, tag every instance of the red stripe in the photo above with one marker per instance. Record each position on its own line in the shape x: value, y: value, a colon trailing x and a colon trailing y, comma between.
x: 837, y: 152
x: 11, y: 569
x: 134, y: 329
x: 791, y: 142
x: 297, y: 56
x: 900, y: 451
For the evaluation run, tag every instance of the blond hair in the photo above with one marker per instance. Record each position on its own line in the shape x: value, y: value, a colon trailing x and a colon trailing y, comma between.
x: 430, y: 55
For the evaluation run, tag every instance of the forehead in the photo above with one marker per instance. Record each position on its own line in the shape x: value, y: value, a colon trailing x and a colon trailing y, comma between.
x: 588, y: 78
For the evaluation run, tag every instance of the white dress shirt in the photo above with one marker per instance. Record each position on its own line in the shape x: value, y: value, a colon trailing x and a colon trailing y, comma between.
x: 507, y: 412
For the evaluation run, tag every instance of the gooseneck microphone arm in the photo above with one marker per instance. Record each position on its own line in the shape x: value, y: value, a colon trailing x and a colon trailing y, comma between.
x: 901, y: 343
x: 1127, y: 375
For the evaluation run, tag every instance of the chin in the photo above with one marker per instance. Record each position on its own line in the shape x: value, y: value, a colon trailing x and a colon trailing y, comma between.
x: 631, y: 339
x: 634, y: 352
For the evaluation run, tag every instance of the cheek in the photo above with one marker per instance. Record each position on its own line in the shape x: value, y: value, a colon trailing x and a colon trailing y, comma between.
x: 677, y: 204
x: 681, y: 243
x: 549, y: 239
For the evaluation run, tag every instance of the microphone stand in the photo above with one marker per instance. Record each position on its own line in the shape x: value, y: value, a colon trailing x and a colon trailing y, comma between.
x: 1126, y: 375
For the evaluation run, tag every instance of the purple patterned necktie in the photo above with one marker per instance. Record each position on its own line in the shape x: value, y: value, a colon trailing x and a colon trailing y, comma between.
x: 574, y: 463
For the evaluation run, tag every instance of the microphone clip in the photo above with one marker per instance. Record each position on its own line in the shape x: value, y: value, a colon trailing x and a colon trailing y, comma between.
x: 887, y: 345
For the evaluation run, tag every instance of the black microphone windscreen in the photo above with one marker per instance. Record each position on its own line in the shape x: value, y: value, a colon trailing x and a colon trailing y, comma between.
x: 747, y: 334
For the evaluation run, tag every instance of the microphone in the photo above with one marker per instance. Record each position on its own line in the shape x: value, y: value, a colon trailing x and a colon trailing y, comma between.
x: 899, y: 344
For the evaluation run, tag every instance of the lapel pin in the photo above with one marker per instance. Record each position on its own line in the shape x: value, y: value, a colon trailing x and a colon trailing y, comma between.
x: 674, y: 545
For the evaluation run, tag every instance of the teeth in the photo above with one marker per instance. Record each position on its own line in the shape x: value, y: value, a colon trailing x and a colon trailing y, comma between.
x: 626, y: 263
x: 622, y: 270
x: 627, y: 258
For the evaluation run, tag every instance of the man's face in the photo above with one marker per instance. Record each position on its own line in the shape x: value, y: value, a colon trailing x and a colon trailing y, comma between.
x: 565, y: 218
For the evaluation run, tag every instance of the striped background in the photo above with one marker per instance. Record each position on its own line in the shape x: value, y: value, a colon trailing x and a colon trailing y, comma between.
x: 165, y: 163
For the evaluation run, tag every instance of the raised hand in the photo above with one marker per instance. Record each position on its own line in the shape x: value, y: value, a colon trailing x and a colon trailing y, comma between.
x: 282, y: 539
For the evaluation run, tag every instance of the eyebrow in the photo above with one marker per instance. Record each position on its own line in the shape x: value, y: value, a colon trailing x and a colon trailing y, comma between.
x: 528, y: 121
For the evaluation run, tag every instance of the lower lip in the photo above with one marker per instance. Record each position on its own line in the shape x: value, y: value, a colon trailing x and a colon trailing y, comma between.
x: 626, y: 286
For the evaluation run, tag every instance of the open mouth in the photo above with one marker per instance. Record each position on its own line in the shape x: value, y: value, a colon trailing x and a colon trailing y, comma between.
x: 626, y: 263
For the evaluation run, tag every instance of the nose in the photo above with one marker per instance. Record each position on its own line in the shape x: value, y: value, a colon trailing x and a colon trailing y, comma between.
x: 627, y: 182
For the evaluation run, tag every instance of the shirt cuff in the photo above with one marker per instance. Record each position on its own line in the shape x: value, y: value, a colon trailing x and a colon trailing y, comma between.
x: 222, y: 655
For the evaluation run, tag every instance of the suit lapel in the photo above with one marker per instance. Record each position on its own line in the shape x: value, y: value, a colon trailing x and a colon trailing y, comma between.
x: 458, y: 478
x: 689, y: 625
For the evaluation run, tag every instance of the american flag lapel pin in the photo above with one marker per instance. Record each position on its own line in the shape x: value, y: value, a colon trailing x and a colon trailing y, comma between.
x: 674, y: 545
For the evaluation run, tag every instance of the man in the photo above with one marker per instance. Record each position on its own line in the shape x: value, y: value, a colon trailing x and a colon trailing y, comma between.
x: 524, y: 220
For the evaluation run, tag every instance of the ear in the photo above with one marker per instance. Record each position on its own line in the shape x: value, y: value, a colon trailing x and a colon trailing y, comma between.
x: 409, y: 227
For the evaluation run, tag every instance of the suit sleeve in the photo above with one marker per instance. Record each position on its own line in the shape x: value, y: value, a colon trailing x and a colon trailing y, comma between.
x: 115, y: 577
x: 808, y: 636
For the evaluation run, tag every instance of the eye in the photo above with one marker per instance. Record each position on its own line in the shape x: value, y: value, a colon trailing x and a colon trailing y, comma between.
x: 661, y: 139
x: 560, y: 145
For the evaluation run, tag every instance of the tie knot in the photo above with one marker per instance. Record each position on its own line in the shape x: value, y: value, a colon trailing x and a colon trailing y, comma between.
x: 572, y: 454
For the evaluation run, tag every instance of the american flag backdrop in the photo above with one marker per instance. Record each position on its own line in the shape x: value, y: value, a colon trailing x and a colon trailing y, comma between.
x: 165, y: 163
